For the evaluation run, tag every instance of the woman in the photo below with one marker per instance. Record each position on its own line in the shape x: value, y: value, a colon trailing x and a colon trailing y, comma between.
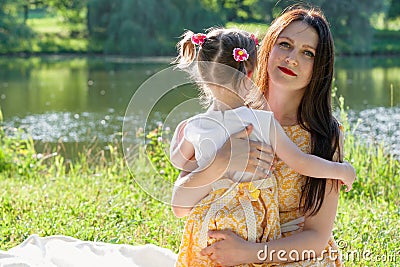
x: 295, y: 74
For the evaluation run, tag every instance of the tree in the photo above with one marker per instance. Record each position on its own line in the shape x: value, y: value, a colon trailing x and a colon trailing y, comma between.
x: 243, y: 10
x: 394, y: 9
x: 28, y: 4
x: 14, y: 34
x: 145, y: 27
x: 74, y: 13
x: 350, y: 21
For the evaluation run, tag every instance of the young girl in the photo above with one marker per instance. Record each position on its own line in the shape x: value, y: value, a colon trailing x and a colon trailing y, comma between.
x: 224, y: 64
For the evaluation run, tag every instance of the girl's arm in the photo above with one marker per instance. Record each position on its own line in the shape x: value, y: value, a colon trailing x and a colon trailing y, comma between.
x: 182, y: 151
x: 306, y: 164
x: 182, y: 156
x: 237, y: 154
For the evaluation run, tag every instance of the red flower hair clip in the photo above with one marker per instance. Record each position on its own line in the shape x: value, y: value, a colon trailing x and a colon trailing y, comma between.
x: 255, y: 39
x: 240, y: 54
x: 198, y: 39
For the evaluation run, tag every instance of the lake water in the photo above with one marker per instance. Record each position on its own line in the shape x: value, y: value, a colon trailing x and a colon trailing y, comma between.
x: 77, y: 99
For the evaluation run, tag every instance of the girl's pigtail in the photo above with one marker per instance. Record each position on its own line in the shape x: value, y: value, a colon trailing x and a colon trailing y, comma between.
x: 186, y: 50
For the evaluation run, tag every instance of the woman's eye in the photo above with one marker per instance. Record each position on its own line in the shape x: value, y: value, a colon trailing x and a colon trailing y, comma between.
x: 309, y: 53
x: 284, y: 44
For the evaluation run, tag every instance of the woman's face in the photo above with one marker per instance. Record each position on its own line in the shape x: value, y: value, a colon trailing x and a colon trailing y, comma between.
x: 291, y: 60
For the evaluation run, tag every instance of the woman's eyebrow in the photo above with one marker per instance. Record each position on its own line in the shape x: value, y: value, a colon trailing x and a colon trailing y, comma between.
x: 291, y: 40
x: 309, y: 46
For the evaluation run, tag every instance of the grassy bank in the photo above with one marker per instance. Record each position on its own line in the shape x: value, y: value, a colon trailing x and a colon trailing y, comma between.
x: 93, y: 198
x: 53, y: 36
x: 97, y: 198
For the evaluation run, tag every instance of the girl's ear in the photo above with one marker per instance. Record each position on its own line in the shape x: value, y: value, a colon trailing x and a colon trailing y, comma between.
x: 250, y: 74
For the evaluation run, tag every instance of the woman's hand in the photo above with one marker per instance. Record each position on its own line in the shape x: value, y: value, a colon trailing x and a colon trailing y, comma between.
x: 237, y: 154
x: 231, y: 249
x: 244, y: 155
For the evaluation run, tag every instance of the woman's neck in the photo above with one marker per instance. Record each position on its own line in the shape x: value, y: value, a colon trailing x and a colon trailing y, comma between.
x: 284, y: 104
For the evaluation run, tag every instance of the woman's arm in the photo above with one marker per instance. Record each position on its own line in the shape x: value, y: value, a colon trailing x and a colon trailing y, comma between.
x: 233, y: 250
x: 237, y: 154
x: 306, y: 164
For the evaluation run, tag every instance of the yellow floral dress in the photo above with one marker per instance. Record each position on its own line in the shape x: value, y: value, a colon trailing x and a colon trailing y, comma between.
x: 289, y: 185
x: 250, y: 209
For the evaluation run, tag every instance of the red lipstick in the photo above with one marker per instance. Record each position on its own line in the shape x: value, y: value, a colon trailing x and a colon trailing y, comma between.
x: 287, y: 71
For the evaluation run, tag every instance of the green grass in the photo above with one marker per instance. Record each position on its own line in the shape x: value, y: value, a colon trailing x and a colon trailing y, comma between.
x: 366, y: 231
x: 368, y: 216
x: 49, y: 25
x: 53, y: 35
x: 92, y: 199
x: 92, y: 206
x: 97, y: 198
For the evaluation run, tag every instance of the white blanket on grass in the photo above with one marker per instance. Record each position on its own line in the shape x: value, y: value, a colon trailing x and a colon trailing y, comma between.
x: 65, y: 251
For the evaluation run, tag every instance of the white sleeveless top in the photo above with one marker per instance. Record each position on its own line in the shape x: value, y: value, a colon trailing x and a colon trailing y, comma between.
x: 209, y: 131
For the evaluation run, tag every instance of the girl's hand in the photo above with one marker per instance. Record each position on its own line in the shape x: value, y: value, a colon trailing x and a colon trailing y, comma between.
x: 244, y: 155
x: 350, y: 176
x: 230, y: 249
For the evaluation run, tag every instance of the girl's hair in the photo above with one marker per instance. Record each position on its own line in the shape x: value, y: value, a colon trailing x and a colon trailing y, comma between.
x: 214, y: 59
x: 314, y: 113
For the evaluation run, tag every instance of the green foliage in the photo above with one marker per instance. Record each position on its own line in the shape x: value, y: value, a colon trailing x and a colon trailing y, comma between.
x: 14, y: 34
x: 148, y: 27
x: 350, y: 20
x: 394, y: 9
x: 157, y: 151
x: 258, y: 29
x: 366, y: 225
x: 91, y: 202
x: 351, y: 25
x: 17, y: 154
x: 54, y: 36
x: 371, y: 162
x: 73, y: 13
x: 153, y: 27
x: 244, y: 10
x: 386, y: 41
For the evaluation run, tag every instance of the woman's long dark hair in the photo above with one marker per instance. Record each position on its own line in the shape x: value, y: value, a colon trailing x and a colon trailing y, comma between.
x: 314, y: 113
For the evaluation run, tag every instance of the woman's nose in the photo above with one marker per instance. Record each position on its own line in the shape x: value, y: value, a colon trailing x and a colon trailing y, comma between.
x: 291, y: 60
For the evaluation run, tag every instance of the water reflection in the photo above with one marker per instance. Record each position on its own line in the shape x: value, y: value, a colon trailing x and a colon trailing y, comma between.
x: 74, y: 99
x: 378, y: 126
x: 367, y: 82
x: 69, y: 127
